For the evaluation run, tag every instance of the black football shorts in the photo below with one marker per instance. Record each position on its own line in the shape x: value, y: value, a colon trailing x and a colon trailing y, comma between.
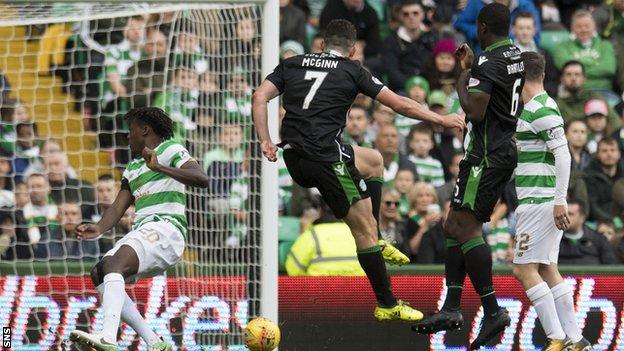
x: 339, y: 182
x: 478, y: 188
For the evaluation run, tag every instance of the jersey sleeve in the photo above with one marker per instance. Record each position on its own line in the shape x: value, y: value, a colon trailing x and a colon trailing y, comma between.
x: 277, y: 77
x: 548, y: 124
x: 177, y: 155
x: 368, y: 84
x: 480, y: 76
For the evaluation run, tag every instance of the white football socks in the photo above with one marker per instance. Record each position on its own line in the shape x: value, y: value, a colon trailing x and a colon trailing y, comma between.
x: 131, y: 315
x: 564, y: 303
x: 112, y: 304
x: 544, y: 304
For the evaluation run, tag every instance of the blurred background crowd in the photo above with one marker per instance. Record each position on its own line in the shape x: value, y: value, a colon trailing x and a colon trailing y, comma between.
x: 206, y: 84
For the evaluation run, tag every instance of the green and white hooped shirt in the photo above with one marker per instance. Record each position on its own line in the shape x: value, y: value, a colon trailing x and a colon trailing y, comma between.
x: 158, y: 196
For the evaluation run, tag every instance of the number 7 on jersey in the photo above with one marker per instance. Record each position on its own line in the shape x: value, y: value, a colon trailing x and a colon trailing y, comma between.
x: 318, y: 77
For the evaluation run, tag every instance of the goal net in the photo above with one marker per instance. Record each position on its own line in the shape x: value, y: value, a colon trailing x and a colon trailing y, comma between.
x: 70, y: 71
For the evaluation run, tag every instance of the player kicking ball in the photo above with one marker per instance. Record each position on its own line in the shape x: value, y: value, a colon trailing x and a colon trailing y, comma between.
x: 489, y: 92
x: 154, y: 181
x: 542, y: 179
x: 317, y: 92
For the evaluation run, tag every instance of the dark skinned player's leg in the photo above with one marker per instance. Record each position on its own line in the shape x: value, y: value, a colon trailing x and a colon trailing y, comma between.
x: 454, y: 263
x: 467, y: 229
x: 115, y: 301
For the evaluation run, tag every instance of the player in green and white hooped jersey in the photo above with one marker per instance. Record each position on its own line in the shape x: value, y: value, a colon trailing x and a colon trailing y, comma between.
x: 542, y: 179
x: 154, y: 182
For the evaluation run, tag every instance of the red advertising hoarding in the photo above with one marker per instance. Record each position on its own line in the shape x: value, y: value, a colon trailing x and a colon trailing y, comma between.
x: 324, y: 313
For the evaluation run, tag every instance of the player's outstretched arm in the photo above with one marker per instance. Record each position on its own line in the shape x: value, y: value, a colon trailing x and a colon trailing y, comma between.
x: 190, y: 173
x: 110, y: 217
x: 412, y: 109
x: 265, y: 93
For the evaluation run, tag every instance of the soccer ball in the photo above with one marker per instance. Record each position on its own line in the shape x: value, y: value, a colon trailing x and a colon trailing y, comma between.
x: 261, y: 335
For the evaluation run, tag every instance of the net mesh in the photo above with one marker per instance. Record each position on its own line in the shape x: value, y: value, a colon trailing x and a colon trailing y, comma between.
x: 71, y: 70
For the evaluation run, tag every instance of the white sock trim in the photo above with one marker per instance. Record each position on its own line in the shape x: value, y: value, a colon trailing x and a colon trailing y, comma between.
x: 561, y: 290
x: 111, y: 277
x: 538, y: 291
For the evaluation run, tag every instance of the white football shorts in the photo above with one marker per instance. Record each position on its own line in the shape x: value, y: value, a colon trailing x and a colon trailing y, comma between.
x: 159, y: 245
x: 537, y: 237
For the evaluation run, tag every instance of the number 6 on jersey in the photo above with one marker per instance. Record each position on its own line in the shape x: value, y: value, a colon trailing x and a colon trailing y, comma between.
x: 318, y: 77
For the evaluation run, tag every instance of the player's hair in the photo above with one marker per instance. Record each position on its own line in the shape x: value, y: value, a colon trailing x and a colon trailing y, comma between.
x: 534, y: 65
x: 340, y: 34
x: 410, y: 3
x: 497, y: 18
x: 607, y: 141
x: 573, y: 63
x: 154, y: 117
x: 523, y: 14
x: 105, y: 177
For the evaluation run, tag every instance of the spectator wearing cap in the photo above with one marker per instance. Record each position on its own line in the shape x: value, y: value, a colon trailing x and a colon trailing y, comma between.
x: 580, y: 244
x: 290, y: 48
x: 292, y: 22
x: 466, y: 21
x: 363, y: 17
x: 523, y: 30
x: 596, y: 54
x: 417, y: 89
x: 602, y: 174
x: 442, y: 69
x: 406, y: 50
x: 596, y: 111
x: 573, y: 96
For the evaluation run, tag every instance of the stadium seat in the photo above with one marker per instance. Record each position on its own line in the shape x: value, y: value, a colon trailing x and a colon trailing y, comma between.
x: 288, y: 229
x: 550, y: 39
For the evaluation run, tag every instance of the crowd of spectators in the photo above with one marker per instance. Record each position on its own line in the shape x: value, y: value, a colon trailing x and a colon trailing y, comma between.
x: 204, y: 82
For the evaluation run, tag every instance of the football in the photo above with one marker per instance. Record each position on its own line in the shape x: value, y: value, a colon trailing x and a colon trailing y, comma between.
x: 261, y: 335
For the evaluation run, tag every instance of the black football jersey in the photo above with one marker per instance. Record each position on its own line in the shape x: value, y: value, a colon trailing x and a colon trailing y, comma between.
x: 498, y: 71
x: 317, y: 92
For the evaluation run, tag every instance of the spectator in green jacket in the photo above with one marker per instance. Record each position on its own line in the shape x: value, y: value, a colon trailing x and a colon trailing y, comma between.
x: 596, y: 54
x: 573, y: 95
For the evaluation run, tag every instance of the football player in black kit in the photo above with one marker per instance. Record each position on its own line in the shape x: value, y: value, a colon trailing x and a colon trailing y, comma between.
x: 317, y: 91
x: 489, y: 91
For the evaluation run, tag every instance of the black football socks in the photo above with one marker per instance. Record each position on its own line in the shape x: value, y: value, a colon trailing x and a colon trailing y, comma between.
x: 373, y: 264
x: 455, y: 273
x: 374, y: 186
x: 478, y: 259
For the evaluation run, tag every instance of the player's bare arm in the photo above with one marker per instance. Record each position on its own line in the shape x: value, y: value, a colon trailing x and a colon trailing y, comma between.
x: 474, y: 104
x: 265, y: 93
x: 110, y: 217
x: 413, y: 109
x: 190, y: 173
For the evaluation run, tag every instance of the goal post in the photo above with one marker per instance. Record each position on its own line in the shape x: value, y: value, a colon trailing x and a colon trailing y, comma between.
x: 62, y: 61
